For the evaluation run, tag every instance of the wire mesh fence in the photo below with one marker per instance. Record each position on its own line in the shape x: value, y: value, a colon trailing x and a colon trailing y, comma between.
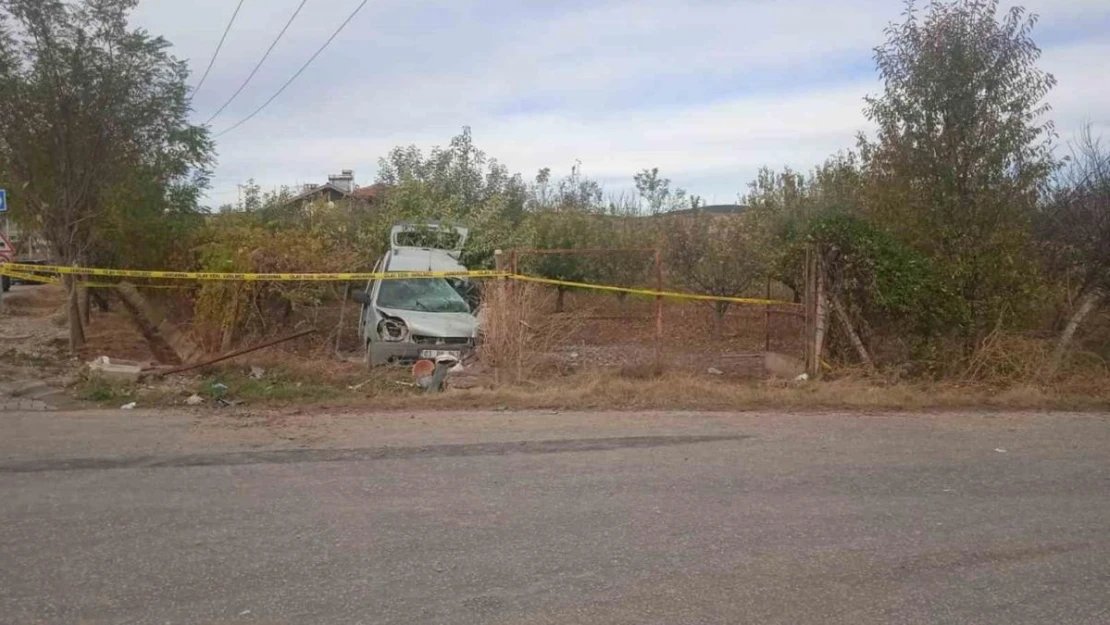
x: 600, y: 328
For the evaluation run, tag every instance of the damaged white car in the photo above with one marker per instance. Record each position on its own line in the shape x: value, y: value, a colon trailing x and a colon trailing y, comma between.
x: 407, y: 319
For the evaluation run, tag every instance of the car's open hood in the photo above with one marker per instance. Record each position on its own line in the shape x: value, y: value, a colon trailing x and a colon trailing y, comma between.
x: 452, y: 324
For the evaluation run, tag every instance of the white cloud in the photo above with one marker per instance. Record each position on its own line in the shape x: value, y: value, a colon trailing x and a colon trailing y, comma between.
x: 707, y: 91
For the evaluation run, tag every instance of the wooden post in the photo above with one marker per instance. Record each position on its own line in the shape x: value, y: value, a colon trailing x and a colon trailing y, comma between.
x: 342, y: 315
x: 658, y: 308
x: 820, y: 316
x: 846, y: 321
x: 810, y: 298
x: 767, y: 320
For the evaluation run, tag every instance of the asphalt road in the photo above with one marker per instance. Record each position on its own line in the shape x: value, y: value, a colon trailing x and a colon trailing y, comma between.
x: 566, y: 519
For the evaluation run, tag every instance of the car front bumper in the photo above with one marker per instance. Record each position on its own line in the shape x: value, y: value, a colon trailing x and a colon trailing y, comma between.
x: 382, y: 352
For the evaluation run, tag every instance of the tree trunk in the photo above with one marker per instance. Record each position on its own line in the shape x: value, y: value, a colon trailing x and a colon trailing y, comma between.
x: 83, y: 304
x: 846, y: 321
x: 1086, y: 304
x: 719, y: 310
x: 73, y: 316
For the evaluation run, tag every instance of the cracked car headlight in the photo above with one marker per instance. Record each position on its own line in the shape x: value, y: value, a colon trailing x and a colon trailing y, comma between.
x: 393, y: 330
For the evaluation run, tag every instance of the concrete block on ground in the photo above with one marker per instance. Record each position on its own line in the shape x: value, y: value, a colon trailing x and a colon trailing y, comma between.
x: 116, y: 369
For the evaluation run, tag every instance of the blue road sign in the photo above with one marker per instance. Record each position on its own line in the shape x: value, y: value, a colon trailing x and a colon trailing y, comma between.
x: 3, y: 200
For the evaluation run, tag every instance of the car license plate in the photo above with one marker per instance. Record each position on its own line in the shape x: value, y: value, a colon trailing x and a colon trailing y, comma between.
x: 435, y: 353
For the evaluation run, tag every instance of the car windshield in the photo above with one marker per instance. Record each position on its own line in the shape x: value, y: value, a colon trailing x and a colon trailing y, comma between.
x: 423, y: 294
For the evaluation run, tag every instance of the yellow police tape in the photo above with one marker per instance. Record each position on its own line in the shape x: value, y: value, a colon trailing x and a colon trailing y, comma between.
x: 654, y: 293
x: 21, y: 271
x: 252, y: 277
x: 19, y: 275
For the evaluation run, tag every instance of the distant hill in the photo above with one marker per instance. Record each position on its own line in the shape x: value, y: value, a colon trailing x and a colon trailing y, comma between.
x: 716, y: 209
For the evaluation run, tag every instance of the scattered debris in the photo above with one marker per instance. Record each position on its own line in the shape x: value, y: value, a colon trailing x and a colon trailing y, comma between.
x: 1000, y: 450
x: 130, y: 406
x: 219, y: 386
x: 194, y: 400
x: 257, y: 373
x: 125, y: 370
x: 802, y: 378
x: 359, y: 385
x: 715, y: 371
x: 430, y: 376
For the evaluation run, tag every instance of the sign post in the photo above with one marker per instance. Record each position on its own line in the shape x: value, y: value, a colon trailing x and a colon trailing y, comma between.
x: 7, y: 252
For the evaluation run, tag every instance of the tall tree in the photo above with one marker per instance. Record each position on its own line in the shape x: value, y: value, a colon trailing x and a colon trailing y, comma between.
x: 963, y: 148
x: 656, y: 192
x: 460, y: 184
x: 90, y: 108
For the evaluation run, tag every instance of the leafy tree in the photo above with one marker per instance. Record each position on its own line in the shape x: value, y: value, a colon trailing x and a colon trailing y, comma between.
x: 788, y: 204
x: 557, y: 230
x: 623, y: 229
x: 722, y: 255
x: 321, y: 237
x: 92, y: 112
x: 962, y: 150
x: 564, y: 214
x: 657, y: 194
x: 458, y: 184
x: 880, y: 281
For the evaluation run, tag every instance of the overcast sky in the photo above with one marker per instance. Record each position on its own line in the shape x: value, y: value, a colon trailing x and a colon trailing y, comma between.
x: 707, y: 91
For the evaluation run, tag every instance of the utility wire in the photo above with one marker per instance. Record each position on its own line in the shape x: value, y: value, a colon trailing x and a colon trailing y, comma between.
x: 218, y: 46
x: 260, y: 62
x: 299, y: 71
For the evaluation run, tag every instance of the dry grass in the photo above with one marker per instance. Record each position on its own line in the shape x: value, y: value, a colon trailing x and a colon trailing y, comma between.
x: 653, y: 390
x: 517, y: 331
x: 1000, y: 376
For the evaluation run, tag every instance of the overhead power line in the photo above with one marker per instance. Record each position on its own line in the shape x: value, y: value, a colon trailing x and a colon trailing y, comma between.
x: 298, y: 73
x: 218, y: 46
x: 260, y: 62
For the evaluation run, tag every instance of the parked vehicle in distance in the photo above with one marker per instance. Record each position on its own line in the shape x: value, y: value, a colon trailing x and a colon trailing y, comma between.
x: 407, y: 319
x: 8, y: 255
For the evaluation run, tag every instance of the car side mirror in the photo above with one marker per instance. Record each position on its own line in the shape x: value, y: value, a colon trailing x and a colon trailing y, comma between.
x: 362, y: 297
